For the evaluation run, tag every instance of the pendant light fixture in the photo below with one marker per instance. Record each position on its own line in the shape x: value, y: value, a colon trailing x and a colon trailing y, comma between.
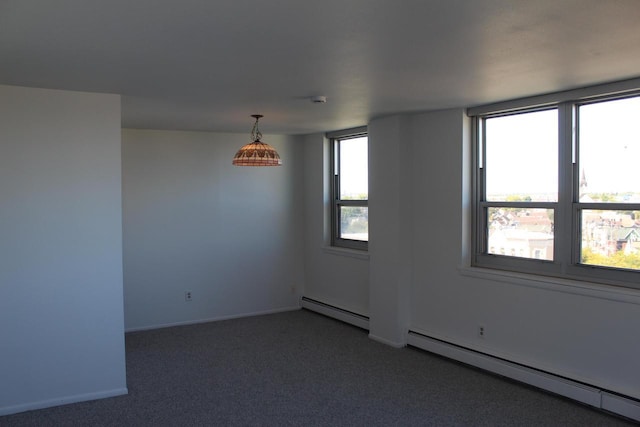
x: 257, y: 153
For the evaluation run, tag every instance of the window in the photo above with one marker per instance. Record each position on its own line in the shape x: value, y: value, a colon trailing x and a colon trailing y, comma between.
x: 557, y: 187
x: 350, y: 189
x: 608, y: 205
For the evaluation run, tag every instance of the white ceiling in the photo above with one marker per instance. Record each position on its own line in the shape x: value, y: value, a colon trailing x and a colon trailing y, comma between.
x: 210, y: 64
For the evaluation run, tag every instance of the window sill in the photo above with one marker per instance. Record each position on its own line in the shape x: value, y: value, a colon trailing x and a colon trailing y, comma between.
x: 613, y: 291
x: 345, y: 252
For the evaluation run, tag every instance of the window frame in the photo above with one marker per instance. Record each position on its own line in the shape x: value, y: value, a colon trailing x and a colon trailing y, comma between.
x: 336, y: 203
x: 568, y: 209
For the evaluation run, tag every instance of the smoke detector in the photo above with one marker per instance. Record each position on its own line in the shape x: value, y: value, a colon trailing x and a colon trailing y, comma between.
x: 318, y: 99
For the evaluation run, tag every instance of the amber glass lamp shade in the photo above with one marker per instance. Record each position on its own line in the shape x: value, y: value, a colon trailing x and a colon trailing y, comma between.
x: 257, y: 153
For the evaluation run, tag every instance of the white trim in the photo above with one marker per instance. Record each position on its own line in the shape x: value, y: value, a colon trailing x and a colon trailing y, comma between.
x: 8, y: 410
x: 621, y: 406
x: 555, y: 284
x: 387, y: 342
x: 549, y: 382
x: 338, y: 313
x: 580, y: 392
x: 346, y: 133
x: 211, y: 319
x: 350, y: 253
x: 614, y: 88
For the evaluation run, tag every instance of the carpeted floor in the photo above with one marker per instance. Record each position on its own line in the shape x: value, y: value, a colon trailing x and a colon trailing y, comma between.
x: 303, y: 369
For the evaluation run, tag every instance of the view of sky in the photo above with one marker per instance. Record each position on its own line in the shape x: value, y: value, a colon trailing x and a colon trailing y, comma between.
x: 610, y: 145
x: 354, y: 176
x: 522, y: 152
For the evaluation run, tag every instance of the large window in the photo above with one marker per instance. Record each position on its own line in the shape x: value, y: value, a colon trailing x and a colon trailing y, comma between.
x: 350, y: 189
x: 557, y: 188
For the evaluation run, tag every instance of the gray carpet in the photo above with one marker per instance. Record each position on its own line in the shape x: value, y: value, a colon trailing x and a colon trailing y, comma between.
x: 303, y: 369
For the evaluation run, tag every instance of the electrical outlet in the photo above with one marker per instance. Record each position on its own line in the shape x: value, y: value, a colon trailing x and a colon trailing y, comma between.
x: 187, y: 296
x: 481, y: 331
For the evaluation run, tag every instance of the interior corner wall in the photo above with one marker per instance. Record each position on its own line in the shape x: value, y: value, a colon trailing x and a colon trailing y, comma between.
x: 334, y: 277
x: 584, y: 332
x: 193, y: 222
x: 61, y: 310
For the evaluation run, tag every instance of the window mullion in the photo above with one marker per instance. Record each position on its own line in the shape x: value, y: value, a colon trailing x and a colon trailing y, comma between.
x: 565, y: 221
x: 335, y: 191
x: 352, y: 202
x: 479, y: 221
x: 520, y: 205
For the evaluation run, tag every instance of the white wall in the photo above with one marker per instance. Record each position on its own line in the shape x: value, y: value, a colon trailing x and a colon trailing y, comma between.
x: 61, y: 311
x: 337, y: 277
x: 193, y: 221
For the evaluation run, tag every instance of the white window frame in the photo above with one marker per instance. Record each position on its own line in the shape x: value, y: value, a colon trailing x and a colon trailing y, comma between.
x: 336, y: 202
x: 567, y: 210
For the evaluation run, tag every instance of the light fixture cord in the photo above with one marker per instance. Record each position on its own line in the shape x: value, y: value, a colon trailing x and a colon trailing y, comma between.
x: 256, y: 135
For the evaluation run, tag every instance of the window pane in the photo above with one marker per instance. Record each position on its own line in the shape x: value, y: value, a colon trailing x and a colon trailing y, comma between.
x: 609, y: 151
x: 611, y: 238
x: 354, y: 223
x: 522, y: 157
x: 520, y: 232
x: 354, y: 169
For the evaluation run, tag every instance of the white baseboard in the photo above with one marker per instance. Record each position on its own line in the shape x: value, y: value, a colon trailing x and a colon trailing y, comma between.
x: 23, y: 407
x: 211, y: 319
x: 387, y: 342
x: 587, y: 394
x: 336, y: 313
x: 621, y: 405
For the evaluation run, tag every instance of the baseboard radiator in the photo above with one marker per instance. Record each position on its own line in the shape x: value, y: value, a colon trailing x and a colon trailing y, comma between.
x: 590, y: 395
x: 336, y: 312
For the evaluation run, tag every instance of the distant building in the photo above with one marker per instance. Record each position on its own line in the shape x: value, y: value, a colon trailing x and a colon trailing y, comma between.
x: 583, y: 182
x: 526, y: 234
